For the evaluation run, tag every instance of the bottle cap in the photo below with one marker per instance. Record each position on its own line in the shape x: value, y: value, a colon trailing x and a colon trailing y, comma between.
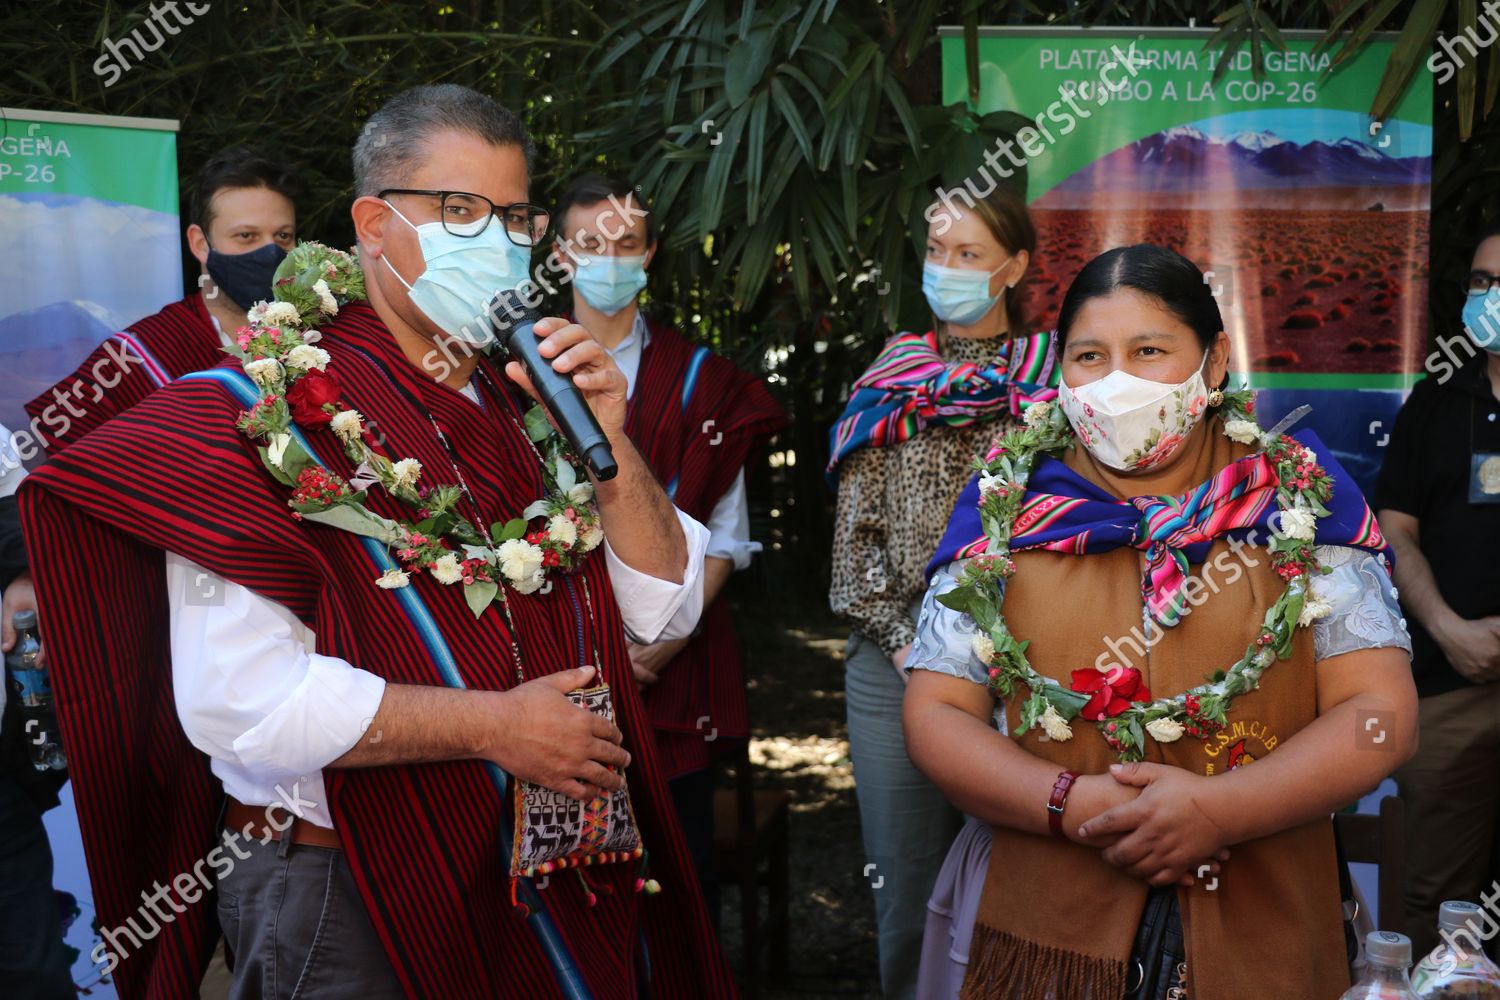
x: 1388, y: 948
x: 24, y: 619
x: 1458, y: 914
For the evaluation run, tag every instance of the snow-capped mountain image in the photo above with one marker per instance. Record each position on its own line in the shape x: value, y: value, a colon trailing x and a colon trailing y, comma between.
x: 1256, y: 167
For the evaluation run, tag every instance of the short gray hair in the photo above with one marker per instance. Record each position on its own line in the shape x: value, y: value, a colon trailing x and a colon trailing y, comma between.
x: 393, y: 141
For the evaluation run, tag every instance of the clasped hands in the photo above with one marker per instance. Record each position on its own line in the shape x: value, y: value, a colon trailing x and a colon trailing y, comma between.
x: 1154, y: 821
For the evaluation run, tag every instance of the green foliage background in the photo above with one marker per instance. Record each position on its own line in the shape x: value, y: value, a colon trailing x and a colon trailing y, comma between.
x: 776, y: 237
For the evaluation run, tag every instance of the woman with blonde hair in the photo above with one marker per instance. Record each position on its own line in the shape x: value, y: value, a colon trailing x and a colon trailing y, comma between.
x: 900, y: 455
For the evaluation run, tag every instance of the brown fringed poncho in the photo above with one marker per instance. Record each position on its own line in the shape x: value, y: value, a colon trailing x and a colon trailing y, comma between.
x: 1057, y: 922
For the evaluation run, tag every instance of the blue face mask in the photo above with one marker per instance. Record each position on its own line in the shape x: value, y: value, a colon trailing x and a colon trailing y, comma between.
x: 957, y: 295
x: 609, y: 284
x: 1482, y: 319
x: 463, y: 274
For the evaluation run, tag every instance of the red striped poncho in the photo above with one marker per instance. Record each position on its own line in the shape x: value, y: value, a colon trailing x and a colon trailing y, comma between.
x: 428, y: 843
x: 126, y: 368
x: 696, y: 419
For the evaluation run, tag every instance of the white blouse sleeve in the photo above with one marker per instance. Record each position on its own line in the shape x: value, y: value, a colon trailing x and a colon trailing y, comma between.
x: 1364, y: 613
x: 944, y: 642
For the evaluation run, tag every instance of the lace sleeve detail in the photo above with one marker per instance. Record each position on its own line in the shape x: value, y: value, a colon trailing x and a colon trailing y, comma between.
x: 1364, y: 612
x: 944, y: 636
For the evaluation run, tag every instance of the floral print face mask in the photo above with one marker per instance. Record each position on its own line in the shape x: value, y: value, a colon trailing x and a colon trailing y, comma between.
x: 1131, y: 423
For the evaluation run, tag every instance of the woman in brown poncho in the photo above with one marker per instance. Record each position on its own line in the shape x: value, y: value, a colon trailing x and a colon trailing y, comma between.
x: 1181, y: 539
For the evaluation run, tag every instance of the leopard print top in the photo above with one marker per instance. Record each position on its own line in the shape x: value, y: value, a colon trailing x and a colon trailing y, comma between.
x: 893, y: 504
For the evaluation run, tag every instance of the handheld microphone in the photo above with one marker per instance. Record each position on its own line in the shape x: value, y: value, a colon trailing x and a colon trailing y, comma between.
x: 512, y: 322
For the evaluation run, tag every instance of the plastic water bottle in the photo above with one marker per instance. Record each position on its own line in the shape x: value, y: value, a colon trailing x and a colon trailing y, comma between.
x: 1387, y: 957
x: 30, y: 687
x: 1458, y: 967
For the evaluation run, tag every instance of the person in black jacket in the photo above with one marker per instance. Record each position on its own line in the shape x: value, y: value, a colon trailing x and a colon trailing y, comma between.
x: 33, y: 963
x: 1438, y: 500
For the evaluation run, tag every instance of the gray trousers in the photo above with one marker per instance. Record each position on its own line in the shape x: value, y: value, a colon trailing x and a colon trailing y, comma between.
x: 906, y: 823
x: 295, y: 924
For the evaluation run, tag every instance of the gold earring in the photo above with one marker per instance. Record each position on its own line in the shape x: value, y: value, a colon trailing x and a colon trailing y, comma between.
x: 1215, y: 397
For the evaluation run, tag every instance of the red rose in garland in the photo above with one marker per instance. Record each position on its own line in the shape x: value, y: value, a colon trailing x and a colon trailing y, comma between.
x: 309, y: 394
x: 1110, y: 692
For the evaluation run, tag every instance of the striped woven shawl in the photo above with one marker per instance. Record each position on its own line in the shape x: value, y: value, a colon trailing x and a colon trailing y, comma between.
x: 909, y: 386
x: 427, y: 843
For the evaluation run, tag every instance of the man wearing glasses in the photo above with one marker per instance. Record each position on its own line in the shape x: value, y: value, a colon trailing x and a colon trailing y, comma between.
x: 368, y: 739
x: 1438, y: 500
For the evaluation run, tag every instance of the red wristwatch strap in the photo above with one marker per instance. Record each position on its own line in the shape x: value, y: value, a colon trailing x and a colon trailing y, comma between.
x: 1058, y: 800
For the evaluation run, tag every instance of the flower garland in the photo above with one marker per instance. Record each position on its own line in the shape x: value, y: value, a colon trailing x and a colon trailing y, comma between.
x: 278, y: 352
x: 1117, y: 700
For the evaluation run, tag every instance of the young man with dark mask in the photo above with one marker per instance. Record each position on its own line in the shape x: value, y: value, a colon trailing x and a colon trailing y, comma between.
x: 241, y: 223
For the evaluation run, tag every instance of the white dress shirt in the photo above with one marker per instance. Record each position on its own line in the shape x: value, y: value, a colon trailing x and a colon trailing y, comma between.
x: 729, y: 522
x: 271, y: 712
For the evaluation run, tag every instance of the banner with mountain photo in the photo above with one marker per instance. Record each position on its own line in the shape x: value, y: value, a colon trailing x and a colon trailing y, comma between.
x: 89, y: 243
x: 1309, y: 219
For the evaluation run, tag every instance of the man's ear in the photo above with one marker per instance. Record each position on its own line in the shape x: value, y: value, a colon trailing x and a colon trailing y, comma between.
x: 197, y: 241
x: 370, y: 215
x: 650, y: 256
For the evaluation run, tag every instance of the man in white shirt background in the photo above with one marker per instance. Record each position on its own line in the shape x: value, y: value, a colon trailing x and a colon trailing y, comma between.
x: 698, y: 420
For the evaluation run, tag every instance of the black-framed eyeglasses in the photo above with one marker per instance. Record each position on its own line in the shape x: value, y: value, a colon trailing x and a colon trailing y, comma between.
x: 468, y: 215
x: 1480, y: 282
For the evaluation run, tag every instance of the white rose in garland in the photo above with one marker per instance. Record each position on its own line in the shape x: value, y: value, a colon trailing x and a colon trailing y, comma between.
x: 1314, y: 609
x: 265, y: 373
x: 306, y: 357
x: 326, y: 300
x: 563, y: 531
x: 280, y: 314
x: 1036, y: 414
x: 404, y: 474
x: 1297, y: 523
x: 519, y: 560
x: 348, y: 425
x: 1243, y: 431
x: 984, y: 648
x: 392, y: 579
x: 1055, y: 726
x: 446, y: 569
x: 1165, y: 730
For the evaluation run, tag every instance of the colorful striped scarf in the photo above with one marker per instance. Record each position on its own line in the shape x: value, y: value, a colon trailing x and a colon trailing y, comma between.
x: 1063, y: 512
x: 910, y: 387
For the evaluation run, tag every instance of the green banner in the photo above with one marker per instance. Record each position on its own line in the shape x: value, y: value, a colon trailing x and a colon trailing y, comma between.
x: 41, y: 153
x: 1167, y: 80
x: 1309, y: 219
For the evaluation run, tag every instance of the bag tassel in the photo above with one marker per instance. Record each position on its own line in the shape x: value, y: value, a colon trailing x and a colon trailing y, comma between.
x: 643, y: 884
x: 522, y: 910
x: 589, y: 888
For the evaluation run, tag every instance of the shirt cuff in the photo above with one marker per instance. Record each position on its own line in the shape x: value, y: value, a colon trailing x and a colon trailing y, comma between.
x: 731, y: 548
x: 325, y: 715
x: 655, y: 610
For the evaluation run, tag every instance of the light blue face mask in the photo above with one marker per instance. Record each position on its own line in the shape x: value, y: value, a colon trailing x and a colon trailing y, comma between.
x: 957, y: 295
x: 609, y: 284
x: 1482, y: 319
x: 463, y: 274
